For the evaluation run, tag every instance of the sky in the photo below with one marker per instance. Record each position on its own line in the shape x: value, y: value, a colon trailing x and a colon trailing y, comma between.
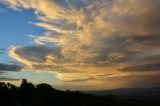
x: 81, y: 44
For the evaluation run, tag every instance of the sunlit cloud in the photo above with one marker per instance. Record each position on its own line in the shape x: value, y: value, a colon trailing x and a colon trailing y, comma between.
x: 95, y: 42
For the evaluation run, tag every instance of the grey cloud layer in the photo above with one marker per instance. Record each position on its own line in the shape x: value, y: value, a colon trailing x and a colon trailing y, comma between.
x: 145, y: 67
x: 1, y: 50
x: 10, y: 67
x: 5, y: 67
x: 92, y: 38
x: 37, y: 53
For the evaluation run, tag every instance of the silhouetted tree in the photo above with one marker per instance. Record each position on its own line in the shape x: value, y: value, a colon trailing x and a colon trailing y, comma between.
x: 45, y: 95
x: 26, y: 86
x: 44, y: 86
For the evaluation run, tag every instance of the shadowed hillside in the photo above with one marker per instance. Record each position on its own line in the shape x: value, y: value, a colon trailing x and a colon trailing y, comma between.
x: 44, y: 95
x: 146, y: 92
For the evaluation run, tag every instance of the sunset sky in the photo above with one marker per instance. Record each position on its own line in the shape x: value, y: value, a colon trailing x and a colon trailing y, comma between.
x: 81, y: 44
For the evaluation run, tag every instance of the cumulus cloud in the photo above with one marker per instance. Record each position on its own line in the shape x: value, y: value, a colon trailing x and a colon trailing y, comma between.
x: 92, y: 38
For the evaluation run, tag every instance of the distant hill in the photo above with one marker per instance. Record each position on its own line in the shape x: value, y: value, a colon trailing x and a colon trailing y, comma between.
x: 155, y: 91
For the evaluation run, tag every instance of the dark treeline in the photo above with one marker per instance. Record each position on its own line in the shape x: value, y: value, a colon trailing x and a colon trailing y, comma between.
x: 45, y: 95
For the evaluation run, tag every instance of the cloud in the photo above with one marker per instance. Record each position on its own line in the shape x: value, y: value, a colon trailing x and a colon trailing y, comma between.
x: 35, y: 55
x: 1, y: 50
x: 8, y: 79
x: 10, y: 67
x: 2, y: 10
x: 90, y: 38
x: 6, y: 67
x: 145, y: 67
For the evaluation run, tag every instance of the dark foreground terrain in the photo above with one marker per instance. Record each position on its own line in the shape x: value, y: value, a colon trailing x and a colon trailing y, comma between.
x: 44, y: 95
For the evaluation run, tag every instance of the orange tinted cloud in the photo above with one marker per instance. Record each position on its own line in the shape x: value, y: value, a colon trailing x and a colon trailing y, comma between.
x: 102, y: 37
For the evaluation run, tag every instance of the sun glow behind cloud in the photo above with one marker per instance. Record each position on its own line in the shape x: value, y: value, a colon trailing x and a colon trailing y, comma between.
x: 95, y: 43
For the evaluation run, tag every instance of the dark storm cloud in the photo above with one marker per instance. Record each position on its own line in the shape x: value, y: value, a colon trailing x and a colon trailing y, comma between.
x: 10, y: 67
x: 145, y: 67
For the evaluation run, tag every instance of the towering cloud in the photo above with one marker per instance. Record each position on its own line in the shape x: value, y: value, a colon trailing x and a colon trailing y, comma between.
x: 93, y: 40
